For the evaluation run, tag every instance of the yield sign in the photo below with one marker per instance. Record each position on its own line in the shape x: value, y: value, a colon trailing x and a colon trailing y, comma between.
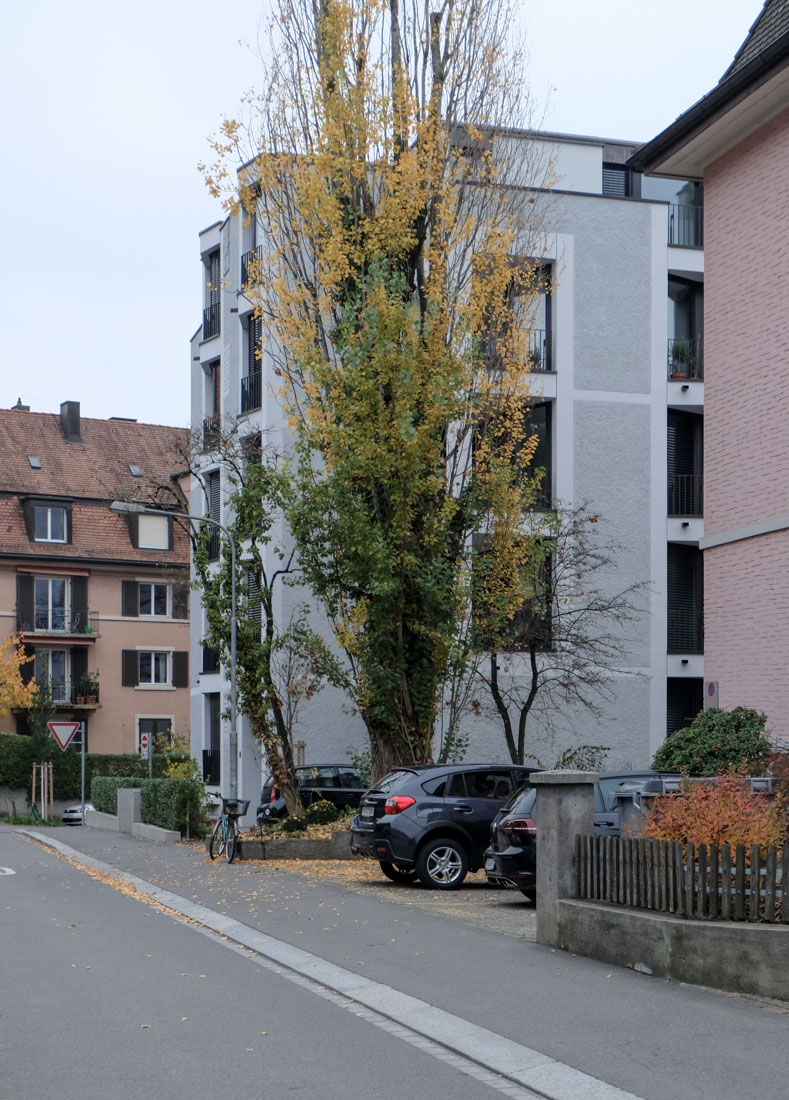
x: 63, y: 732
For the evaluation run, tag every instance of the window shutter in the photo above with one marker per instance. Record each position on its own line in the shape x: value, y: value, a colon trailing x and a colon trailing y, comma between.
x: 68, y: 523
x: 130, y: 598
x: 27, y: 671
x: 24, y: 601
x: 134, y: 529
x: 180, y: 601
x: 181, y: 669
x: 130, y: 668
x: 79, y: 600
x: 29, y: 510
x: 79, y: 664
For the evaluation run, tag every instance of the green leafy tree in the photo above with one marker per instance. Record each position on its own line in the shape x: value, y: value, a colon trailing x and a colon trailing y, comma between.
x: 717, y: 740
x: 396, y: 288
x: 278, y: 664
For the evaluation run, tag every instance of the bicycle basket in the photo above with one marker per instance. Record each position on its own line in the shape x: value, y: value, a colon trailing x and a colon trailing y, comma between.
x: 235, y: 807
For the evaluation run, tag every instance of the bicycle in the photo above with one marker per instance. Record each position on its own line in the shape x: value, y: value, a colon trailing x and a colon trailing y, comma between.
x: 225, y: 835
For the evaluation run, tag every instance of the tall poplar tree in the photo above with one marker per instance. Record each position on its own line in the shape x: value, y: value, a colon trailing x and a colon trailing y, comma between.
x: 396, y: 290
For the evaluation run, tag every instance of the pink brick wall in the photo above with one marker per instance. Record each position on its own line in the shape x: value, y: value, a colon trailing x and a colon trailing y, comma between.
x: 746, y: 442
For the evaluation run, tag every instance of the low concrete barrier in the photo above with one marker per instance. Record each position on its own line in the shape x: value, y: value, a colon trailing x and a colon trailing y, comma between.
x: 728, y: 955
x: 128, y: 819
x: 338, y: 846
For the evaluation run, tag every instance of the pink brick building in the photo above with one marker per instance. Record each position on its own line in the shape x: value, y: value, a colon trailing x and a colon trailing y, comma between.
x: 736, y: 141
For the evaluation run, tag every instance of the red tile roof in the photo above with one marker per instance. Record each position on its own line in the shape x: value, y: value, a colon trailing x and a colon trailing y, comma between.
x: 92, y: 473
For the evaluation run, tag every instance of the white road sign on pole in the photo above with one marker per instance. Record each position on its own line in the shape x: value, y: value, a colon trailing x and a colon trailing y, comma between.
x: 63, y: 732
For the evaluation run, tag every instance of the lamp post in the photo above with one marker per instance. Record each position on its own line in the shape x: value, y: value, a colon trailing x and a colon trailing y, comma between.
x: 124, y: 507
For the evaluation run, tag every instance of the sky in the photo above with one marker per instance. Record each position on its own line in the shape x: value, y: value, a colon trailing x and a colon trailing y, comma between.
x: 106, y: 113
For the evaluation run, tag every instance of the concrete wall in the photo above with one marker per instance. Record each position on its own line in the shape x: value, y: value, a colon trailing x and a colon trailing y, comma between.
x: 734, y: 956
x: 747, y: 395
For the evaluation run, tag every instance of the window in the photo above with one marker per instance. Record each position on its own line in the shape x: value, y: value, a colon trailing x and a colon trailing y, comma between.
x: 251, y: 386
x: 50, y: 666
x: 51, y: 598
x: 212, y: 754
x: 161, y: 668
x: 153, y: 667
x: 153, y: 599
x: 253, y: 595
x: 153, y: 532
x: 532, y: 624
x: 213, y: 511
x: 51, y: 524
x: 160, y: 733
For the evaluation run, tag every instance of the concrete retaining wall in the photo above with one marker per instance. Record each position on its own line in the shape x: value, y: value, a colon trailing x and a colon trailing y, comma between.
x: 734, y: 956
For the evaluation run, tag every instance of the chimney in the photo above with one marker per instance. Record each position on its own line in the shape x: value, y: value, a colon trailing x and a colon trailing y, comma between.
x: 19, y: 407
x: 69, y: 421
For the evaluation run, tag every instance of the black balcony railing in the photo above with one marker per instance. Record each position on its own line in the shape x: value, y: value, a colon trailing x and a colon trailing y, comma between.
x: 50, y: 620
x: 539, y: 353
x: 686, y: 495
x: 210, y: 432
x: 685, y: 631
x: 686, y: 358
x: 211, y: 766
x: 211, y: 321
x: 74, y: 693
x: 250, y: 265
x: 210, y: 658
x: 251, y: 391
x: 686, y: 226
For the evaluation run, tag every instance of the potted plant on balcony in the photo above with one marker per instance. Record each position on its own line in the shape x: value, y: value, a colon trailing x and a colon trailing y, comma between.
x: 90, y: 687
x: 681, y: 358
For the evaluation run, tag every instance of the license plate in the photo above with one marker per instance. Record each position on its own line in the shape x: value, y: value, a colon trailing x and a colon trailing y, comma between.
x: 490, y: 864
x: 368, y: 811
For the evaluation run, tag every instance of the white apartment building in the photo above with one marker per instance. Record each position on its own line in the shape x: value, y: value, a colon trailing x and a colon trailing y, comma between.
x: 618, y: 401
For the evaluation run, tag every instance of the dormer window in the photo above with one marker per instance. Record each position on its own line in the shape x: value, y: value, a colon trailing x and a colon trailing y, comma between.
x: 50, y: 523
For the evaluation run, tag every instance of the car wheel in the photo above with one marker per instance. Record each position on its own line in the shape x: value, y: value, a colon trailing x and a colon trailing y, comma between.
x: 442, y: 864
x: 396, y: 873
x: 531, y: 893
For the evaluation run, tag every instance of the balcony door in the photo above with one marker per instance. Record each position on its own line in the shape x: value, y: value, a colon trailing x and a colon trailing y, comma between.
x: 51, y: 603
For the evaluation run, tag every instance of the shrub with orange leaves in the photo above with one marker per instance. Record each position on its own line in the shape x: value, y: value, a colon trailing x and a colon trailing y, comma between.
x: 719, y: 811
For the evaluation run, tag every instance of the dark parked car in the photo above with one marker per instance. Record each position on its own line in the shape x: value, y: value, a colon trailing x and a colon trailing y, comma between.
x: 336, y: 783
x: 511, y: 859
x: 433, y: 822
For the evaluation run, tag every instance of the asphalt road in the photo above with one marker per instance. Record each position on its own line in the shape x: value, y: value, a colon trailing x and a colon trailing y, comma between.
x: 654, y: 1039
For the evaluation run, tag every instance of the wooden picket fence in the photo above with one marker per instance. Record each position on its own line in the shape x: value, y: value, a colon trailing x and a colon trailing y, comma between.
x: 704, y: 881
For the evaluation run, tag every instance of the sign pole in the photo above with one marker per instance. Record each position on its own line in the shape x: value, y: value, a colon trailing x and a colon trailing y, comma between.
x: 82, y: 734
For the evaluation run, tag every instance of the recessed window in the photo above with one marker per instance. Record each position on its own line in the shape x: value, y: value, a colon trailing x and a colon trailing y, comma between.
x: 153, y: 599
x: 34, y: 461
x: 153, y: 667
x: 50, y: 523
x: 153, y: 533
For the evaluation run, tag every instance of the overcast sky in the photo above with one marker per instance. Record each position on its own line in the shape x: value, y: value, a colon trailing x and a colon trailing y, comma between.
x: 106, y: 109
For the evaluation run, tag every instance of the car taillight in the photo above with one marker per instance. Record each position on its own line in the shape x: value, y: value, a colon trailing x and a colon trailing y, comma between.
x: 274, y: 794
x: 522, y: 826
x: 398, y: 803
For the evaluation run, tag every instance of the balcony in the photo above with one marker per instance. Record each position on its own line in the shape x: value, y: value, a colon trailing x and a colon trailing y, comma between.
x: 685, y: 631
x: 70, y: 694
x: 211, y: 766
x: 210, y: 658
x: 539, y: 353
x: 211, y: 321
x: 685, y: 226
x: 211, y: 432
x: 251, y: 391
x: 686, y: 495
x: 55, y: 622
x: 251, y: 261
x: 685, y: 359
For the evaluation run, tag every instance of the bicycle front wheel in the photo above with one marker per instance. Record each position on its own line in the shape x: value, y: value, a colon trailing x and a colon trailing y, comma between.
x: 232, y: 841
x: 217, y: 845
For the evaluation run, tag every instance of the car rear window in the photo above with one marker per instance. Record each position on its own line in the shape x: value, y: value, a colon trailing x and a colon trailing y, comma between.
x: 392, y: 780
x: 522, y: 801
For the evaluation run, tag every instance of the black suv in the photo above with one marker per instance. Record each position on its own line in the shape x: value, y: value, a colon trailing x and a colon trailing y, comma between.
x: 337, y: 783
x: 433, y: 822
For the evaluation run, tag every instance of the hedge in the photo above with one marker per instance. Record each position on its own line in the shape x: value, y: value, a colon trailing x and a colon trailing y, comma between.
x: 177, y: 804
x: 17, y: 758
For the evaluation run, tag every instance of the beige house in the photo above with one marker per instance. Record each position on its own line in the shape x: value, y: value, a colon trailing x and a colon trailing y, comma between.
x: 101, y: 601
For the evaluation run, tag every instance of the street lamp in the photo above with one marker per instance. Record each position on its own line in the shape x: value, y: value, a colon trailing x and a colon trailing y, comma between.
x: 128, y: 507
